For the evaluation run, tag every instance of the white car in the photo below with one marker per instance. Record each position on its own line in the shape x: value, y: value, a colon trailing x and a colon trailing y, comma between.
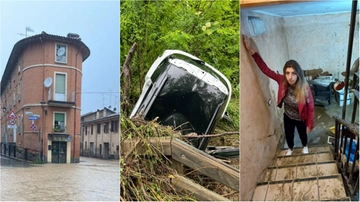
x: 184, y: 92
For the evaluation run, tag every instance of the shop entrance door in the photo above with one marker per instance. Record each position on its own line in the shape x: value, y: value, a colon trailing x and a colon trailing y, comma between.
x: 58, y: 152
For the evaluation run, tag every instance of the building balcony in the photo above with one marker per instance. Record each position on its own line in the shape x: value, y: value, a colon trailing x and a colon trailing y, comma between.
x: 55, y: 103
x: 59, y: 129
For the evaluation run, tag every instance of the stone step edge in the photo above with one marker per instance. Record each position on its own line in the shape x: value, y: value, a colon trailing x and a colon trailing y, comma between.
x: 301, y: 164
x: 301, y: 154
x: 334, y: 176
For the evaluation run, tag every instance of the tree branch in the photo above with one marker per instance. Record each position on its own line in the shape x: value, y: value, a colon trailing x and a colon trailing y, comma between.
x: 194, y: 135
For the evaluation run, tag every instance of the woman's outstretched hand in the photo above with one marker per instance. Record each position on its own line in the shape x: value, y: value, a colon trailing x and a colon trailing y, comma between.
x: 246, y: 43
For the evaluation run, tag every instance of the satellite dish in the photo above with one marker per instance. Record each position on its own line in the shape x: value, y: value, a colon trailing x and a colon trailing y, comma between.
x: 48, y: 82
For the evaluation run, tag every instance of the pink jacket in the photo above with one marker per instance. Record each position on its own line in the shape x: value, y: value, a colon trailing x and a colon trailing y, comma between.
x: 306, y: 110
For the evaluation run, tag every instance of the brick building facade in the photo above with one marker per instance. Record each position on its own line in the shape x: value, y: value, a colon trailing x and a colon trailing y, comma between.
x: 41, y: 85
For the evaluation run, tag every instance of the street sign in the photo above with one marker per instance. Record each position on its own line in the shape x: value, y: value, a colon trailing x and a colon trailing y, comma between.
x: 11, y: 126
x: 12, y: 119
x: 12, y: 122
x: 33, y: 127
x: 33, y: 117
x: 12, y: 115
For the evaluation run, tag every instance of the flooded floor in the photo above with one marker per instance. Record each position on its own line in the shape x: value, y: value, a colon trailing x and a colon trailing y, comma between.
x: 90, y: 180
x: 323, y: 121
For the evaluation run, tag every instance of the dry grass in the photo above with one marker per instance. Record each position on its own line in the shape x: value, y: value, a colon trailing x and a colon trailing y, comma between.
x: 146, y: 177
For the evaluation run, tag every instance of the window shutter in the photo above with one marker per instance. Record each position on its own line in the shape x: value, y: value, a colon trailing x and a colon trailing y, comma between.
x: 60, y: 83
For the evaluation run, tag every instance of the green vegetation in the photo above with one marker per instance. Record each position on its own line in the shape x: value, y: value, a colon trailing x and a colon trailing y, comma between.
x: 37, y: 161
x: 207, y: 29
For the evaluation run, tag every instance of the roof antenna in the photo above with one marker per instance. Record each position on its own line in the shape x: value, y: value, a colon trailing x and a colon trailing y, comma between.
x: 27, y: 29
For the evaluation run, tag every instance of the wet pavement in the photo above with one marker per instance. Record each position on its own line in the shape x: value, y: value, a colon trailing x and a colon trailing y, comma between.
x: 90, y: 180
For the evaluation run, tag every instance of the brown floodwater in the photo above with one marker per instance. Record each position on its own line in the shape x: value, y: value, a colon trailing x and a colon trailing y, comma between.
x: 90, y: 180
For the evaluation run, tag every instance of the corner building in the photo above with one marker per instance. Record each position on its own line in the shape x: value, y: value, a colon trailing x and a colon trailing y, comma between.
x: 41, y: 85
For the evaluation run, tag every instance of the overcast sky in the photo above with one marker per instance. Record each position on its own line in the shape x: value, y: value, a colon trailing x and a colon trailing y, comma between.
x: 97, y: 23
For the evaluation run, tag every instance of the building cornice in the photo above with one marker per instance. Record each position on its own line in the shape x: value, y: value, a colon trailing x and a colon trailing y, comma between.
x: 102, y: 119
x: 52, y: 65
x: 44, y: 105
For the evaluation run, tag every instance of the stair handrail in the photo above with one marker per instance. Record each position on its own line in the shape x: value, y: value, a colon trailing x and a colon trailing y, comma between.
x: 341, y: 140
x: 353, y: 127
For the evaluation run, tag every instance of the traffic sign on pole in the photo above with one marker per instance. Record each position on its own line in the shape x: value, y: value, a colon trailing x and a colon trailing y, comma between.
x: 12, y: 118
x: 33, y: 127
x: 12, y: 122
x: 12, y: 115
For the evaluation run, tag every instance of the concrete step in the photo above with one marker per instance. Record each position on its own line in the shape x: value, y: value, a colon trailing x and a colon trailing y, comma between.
x: 298, y: 177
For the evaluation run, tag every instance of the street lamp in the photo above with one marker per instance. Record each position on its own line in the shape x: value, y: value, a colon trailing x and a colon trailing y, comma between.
x: 4, y: 109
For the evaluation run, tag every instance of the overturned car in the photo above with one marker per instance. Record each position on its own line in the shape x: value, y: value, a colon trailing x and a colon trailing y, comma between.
x: 184, y: 92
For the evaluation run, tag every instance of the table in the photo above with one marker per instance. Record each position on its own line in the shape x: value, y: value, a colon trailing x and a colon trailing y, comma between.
x: 322, y: 89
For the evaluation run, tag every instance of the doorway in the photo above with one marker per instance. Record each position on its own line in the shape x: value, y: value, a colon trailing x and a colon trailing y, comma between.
x: 106, y: 150
x: 91, y: 149
x: 58, y: 152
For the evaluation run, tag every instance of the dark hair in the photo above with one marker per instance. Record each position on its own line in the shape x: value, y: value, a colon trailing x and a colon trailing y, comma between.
x: 301, y: 83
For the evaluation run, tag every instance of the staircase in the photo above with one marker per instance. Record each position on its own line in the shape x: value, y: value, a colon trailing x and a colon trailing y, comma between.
x: 299, y: 177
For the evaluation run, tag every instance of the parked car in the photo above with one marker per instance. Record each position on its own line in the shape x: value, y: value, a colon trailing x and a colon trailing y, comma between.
x: 184, y: 92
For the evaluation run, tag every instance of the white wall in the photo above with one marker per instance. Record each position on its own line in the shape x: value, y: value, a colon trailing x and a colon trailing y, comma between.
x: 321, y: 41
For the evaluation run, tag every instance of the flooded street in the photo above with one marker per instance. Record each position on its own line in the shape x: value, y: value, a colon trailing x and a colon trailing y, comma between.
x: 90, y: 180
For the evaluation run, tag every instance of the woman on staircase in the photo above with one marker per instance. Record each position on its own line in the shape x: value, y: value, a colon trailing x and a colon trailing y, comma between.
x: 296, y: 95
